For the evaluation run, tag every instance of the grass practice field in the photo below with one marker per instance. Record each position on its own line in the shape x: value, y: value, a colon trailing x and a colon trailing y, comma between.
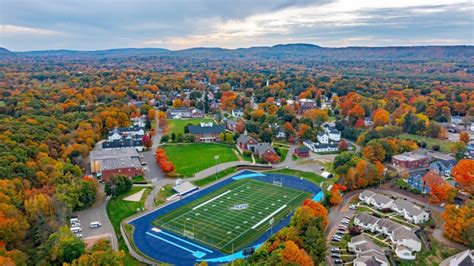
x: 177, y: 125
x: 214, y: 220
x: 189, y: 159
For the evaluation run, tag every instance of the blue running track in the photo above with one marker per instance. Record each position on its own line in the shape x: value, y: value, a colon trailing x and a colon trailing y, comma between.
x: 164, y: 246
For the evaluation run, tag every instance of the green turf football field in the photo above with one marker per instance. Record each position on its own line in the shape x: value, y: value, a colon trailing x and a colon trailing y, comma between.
x: 212, y: 221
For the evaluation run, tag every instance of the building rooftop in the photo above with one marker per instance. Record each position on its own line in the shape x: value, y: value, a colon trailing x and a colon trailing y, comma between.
x: 117, y: 163
x: 206, y: 128
x: 110, y: 154
x: 410, y: 208
x: 410, y: 156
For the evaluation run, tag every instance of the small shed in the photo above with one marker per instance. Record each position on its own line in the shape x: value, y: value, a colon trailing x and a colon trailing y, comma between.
x: 327, y: 175
x: 184, y: 188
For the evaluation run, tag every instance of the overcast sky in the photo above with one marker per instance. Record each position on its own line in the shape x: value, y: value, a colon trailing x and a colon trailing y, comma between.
x: 177, y: 24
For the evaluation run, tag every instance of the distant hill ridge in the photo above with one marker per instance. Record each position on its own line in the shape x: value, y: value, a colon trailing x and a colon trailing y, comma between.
x: 296, y: 51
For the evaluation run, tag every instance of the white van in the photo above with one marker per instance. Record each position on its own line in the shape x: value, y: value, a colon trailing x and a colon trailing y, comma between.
x: 75, y: 221
x: 76, y: 229
x: 95, y: 224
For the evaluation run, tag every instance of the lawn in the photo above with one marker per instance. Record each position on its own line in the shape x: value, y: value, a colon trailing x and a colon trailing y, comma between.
x: 164, y: 193
x: 317, y: 179
x: 117, y: 210
x: 189, y: 159
x: 445, y: 145
x: 177, y: 125
x: 212, y: 220
x: 207, y: 180
x: 139, y: 179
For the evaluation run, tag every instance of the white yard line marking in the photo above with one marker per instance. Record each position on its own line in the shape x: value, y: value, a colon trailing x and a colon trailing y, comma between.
x: 213, y: 199
x: 269, y: 216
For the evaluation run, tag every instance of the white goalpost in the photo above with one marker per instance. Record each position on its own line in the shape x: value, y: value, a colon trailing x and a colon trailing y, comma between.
x: 277, y: 181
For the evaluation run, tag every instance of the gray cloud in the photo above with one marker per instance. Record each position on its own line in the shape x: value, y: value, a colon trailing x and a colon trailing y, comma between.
x: 88, y: 25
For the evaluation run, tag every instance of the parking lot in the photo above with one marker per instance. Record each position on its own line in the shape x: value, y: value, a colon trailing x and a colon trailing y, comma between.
x: 337, y: 252
x: 97, y: 213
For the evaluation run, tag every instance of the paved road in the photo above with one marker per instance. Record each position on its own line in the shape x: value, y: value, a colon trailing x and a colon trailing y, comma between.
x: 98, y: 212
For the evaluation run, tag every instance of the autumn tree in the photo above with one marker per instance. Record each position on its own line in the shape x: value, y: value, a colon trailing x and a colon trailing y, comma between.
x: 459, y: 221
x: 100, y: 254
x: 147, y: 141
x: 305, y: 132
x: 439, y: 189
x: 293, y: 254
x: 464, y: 137
x: 463, y: 173
x: 177, y: 103
x: 381, y: 117
x: 271, y: 158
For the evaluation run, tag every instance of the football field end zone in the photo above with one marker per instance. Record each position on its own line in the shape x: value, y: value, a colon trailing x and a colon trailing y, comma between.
x: 154, y: 248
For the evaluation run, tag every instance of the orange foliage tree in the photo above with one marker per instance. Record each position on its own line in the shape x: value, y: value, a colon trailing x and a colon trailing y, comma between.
x: 318, y: 210
x: 463, y: 173
x: 293, y: 254
x: 439, y: 189
x: 459, y: 221
x: 464, y: 137
x: 381, y: 117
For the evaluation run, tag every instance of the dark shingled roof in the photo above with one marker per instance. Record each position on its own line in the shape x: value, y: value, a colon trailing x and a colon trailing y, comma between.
x: 198, y: 129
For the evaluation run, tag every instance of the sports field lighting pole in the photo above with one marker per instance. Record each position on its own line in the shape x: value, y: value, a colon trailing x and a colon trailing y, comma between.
x: 216, y: 158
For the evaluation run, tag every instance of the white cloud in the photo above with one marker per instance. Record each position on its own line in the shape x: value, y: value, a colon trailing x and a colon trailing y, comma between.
x: 13, y: 30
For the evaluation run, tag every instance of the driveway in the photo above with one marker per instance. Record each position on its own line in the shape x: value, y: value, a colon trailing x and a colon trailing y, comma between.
x: 98, y: 212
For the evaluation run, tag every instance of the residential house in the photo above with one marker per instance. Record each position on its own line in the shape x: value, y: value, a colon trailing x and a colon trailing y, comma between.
x: 410, y: 211
x: 306, y: 104
x: 139, y: 121
x: 120, y: 132
x: 380, y: 201
x: 411, y: 160
x: 230, y: 124
x: 280, y: 133
x: 455, y: 119
x: 206, y: 132
x: 323, y: 138
x: 237, y: 113
x: 244, y: 142
x: 334, y: 134
x: 262, y: 149
x: 464, y: 258
x: 443, y: 167
x: 366, y: 221
x: 405, y: 241
x: 301, y: 152
x: 470, y: 149
x: 415, y: 180
x: 366, y: 195
x: 367, y: 252
x: 368, y: 122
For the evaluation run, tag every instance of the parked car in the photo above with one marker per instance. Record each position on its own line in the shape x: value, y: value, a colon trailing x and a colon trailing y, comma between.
x: 353, y: 207
x: 79, y: 235
x: 343, y: 227
x: 335, y: 255
x: 95, y: 225
x: 338, y: 261
x: 335, y: 249
x: 345, y: 222
x: 347, y: 217
x: 74, y: 220
x: 76, y: 229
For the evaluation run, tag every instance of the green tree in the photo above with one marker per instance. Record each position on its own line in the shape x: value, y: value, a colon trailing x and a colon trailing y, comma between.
x: 117, y: 185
